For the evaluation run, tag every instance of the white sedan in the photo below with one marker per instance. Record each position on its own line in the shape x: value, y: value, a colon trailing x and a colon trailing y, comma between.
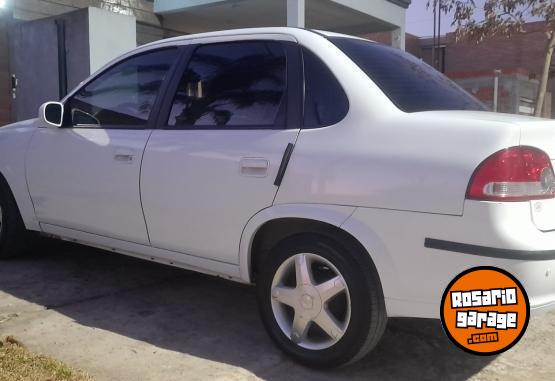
x: 346, y: 179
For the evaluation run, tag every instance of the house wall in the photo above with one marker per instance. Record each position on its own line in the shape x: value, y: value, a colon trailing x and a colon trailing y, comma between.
x: 381, y: 37
x: 149, y: 27
x: 39, y: 65
x: 525, y: 50
x: 5, y: 78
x: 88, y: 46
x: 102, y: 26
x: 412, y: 44
x: 521, y: 51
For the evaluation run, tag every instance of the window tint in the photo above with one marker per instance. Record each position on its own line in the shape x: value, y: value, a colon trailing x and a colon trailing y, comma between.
x: 325, y: 101
x: 124, y: 94
x: 232, y: 84
x: 410, y: 83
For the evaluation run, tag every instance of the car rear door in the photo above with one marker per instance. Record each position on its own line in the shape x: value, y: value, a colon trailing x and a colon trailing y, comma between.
x: 85, y: 175
x: 223, y: 131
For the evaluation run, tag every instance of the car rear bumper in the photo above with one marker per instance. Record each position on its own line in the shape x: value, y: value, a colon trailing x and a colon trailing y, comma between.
x: 534, y: 269
x: 418, y: 254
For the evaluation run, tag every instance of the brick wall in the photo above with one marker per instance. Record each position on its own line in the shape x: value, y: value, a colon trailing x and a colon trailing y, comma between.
x: 381, y: 37
x: 412, y: 44
x: 524, y: 50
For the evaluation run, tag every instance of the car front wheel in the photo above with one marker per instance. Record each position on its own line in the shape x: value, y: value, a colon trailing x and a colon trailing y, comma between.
x: 13, y: 235
x: 321, y: 301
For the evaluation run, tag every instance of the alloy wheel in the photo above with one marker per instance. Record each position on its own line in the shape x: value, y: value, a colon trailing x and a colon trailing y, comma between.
x: 310, y: 301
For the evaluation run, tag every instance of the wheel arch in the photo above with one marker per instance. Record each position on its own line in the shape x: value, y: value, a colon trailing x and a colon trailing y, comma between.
x: 274, y: 224
x: 14, y: 145
x: 5, y: 185
x: 22, y: 201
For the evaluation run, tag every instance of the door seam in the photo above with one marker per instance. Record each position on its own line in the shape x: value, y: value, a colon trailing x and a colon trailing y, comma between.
x: 140, y: 188
x: 290, y: 157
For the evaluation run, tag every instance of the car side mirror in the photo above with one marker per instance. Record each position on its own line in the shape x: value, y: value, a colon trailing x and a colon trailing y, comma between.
x: 51, y: 114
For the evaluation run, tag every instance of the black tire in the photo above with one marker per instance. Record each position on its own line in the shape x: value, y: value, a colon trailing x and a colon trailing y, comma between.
x: 13, y: 235
x: 368, y: 316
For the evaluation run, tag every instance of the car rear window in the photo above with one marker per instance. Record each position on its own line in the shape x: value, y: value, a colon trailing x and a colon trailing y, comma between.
x: 410, y: 83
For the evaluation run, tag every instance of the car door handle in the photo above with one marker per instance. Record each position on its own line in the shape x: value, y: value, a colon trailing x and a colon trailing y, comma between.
x: 124, y: 156
x: 254, y: 166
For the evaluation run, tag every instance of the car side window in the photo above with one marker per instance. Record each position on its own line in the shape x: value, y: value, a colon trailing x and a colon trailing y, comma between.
x: 123, y: 95
x: 325, y: 101
x: 232, y: 85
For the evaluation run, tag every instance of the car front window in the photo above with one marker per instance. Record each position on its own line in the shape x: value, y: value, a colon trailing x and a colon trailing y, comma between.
x: 123, y: 95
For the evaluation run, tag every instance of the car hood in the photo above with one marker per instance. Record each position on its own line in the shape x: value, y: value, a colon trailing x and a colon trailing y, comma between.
x: 29, y: 123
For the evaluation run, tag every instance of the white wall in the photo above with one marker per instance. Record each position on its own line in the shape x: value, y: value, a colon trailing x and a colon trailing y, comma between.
x: 110, y: 35
x: 384, y: 10
x: 381, y: 9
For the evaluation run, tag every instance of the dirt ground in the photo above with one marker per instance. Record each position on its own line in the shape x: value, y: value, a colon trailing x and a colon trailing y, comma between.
x: 119, y: 318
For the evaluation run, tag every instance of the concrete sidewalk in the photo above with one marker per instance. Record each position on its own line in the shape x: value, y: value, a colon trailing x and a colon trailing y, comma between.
x: 120, y: 318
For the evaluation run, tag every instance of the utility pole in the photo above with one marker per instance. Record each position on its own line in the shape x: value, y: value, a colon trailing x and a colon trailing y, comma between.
x: 436, y: 39
x: 434, y: 36
x: 496, y: 74
x: 438, y: 67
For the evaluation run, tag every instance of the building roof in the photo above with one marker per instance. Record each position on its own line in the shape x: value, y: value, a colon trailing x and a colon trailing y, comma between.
x: 401, y: 3
x: 345, y: 16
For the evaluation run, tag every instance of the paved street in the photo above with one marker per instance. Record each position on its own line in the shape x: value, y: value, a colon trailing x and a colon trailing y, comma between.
x: 120, y: 318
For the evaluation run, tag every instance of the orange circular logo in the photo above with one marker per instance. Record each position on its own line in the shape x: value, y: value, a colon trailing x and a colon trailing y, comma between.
x: 485, y: 310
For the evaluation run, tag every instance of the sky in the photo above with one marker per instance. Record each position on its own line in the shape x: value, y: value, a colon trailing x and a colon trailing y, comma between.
x: 420, y: 20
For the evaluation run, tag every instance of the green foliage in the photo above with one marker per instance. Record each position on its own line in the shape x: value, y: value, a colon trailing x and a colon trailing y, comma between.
x: 503, y: 18
x: 496, y: 17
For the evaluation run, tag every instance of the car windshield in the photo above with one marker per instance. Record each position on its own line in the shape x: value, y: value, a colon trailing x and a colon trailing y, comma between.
x: 411, y: 84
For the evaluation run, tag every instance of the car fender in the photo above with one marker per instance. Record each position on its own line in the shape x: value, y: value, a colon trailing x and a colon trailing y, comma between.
x: 336, y: 215
x: 14, y: 143
x: 379, y: 254
x: 331, y: 214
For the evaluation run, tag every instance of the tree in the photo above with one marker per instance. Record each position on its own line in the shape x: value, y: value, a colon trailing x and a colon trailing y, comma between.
x: 503, y: 18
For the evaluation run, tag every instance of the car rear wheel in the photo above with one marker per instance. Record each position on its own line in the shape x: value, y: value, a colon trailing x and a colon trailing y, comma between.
x: 13, y: 235
x: 321, y: 301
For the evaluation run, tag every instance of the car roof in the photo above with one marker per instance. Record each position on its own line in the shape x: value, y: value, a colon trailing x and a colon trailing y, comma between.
x: 297, y: 34
x: 294, y: 32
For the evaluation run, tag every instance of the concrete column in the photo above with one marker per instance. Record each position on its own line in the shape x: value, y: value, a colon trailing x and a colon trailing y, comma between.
x: 103, y: 26
x: 296, y: 13
x: 398, y: 38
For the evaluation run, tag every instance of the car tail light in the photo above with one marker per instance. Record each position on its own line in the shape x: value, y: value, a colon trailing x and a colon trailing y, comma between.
x: 513, y: 174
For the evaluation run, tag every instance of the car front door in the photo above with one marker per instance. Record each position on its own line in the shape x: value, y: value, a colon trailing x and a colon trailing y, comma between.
x: 85, y: 175
x: 223, y: 132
